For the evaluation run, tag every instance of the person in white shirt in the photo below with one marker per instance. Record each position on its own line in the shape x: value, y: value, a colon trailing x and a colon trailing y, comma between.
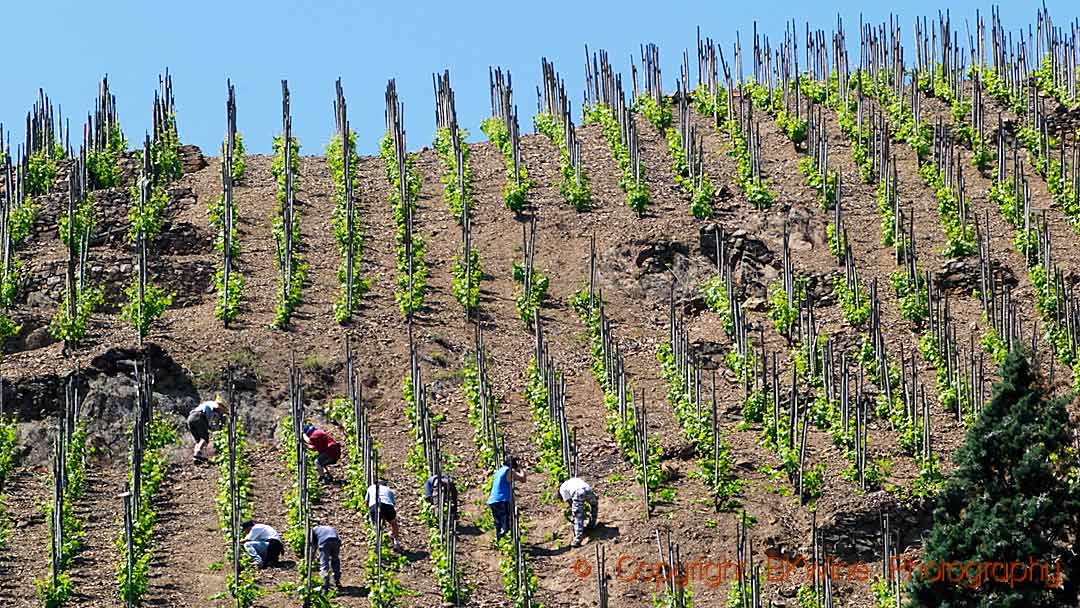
x: 576, y: 492
x: 381, y: 505
x: 198, y: 422
x: 262, y: 543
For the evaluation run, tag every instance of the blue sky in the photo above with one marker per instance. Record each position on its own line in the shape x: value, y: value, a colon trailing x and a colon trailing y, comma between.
x: 66, y: 46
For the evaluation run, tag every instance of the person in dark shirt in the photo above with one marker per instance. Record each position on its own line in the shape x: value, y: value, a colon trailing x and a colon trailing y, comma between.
x: 325, y: 541
x: 438, y: 486
x: 329, y: 450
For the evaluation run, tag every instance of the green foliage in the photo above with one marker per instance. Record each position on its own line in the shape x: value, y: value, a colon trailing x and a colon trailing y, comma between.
x: 794, y: 128
x: 227, y: 308
x: 517, y: 182
x: 702, y: 198
x: 151, y: 218
x: 54, y: 595
x: 756, y: 191
x: 165, y: 153
x: 485, y: 450
x: 71, y: 525
x: 294, y: 534
x: 102, y: 166
x: 707, y: 102
x: 911, y: 295
x: 71, y: 330
x: 290, y: 297
x: 546, y: 433
x: 951, y: 395
x: 244, y: 590
x: 383, y: 593
x: 846, y: 114
x: 824, y: 185
x: 341, y: 412
x: 960, y: 234
x: 902, y: 121
x: 141, y: 313
x: 716, y: 298
x: 452, y: 193
x: 754, y: 407
x: 528, y: 303
x: 41, y: 170
x: 440, y: 561
x: 742, y: 595
x: 465, y: 284
x: 84, y: 221
x: 444, y: 574
x: 20, y: 221
x: 409, y: 300
x: 510, y: 569
x: 882, y: 592
x: 888, y: 218
x: 8, y: 449
x: 239, y: 165
x: 994, y: 345
x: 697, y: 428
x: 834, y: 240
x: 701, y: 193
x: 637, y: 193
x: 853, y: 301
x: 826, y: 414
x: 1044, y: 80
x: 146, y: 220
x: 277, y: 165
x: 622, y: 428
x: 335, y: 160
x: 573, y: 187
x: 1011, y: 499
x: 782, y: 313
x: 134, y: 584
x: 293, y: 298
x: 659, y: 114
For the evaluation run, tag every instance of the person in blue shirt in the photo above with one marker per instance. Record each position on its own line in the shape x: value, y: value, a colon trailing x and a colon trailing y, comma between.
x: 501, y: 494
x: 441, y: 486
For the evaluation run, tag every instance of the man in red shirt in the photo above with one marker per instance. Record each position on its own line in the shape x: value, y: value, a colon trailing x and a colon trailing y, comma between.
x: 329, y: 450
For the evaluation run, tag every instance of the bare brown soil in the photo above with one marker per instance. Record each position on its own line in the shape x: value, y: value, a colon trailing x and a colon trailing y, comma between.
x: 190, y: 541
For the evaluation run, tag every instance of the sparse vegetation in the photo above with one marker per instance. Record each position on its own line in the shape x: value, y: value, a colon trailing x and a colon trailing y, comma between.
x: 292, y: 268
x: 347, y: 233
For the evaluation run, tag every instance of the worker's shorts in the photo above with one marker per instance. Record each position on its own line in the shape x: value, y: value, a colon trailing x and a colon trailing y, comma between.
x: 386, y: 512
x: 199, y: 426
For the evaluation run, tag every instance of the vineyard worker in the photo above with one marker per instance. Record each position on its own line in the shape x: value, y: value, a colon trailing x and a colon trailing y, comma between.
x: 198, y: 422
x: 329, y: 450
x: 576, y: 492
x: 262, y: 543
x: 501, y: 494
x: 436, y: 485
x: 381, y: 505
x: 325, y: 541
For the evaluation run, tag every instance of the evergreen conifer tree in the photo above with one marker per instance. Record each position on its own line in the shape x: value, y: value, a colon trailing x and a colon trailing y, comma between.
x: 1012, y: 500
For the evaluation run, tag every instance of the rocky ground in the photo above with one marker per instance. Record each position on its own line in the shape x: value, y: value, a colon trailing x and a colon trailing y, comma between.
x: 639, y: 260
